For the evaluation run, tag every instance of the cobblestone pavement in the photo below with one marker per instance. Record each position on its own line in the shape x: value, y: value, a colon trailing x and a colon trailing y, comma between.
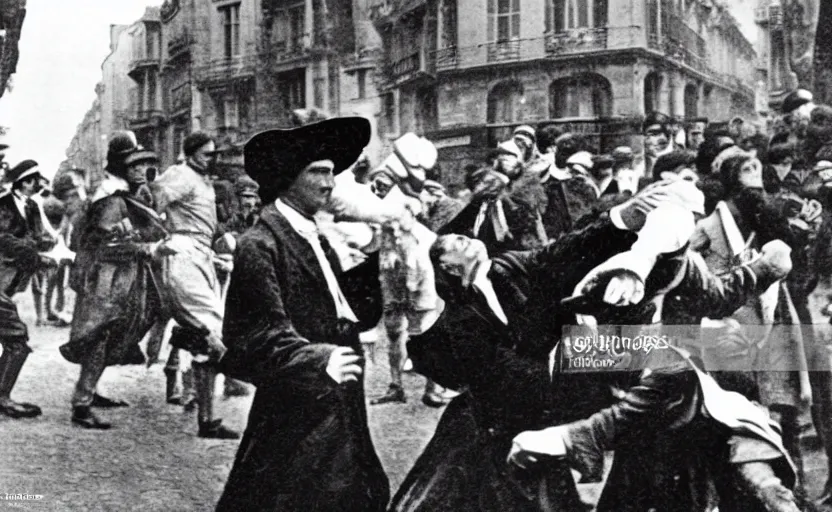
x: 152, y: 460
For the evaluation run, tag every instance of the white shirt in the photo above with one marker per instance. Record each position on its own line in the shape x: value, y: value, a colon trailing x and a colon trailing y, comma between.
x: 308, y: 229
x: 20, y: 202
x: 483, y: 284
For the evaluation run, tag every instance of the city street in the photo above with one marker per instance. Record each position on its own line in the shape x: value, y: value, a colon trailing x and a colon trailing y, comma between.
x: 152, y: 460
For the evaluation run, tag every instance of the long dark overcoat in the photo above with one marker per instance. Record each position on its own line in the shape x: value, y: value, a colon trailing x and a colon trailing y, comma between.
x: 118, y: 293
x: 307, y: 445
x: 505, y: 373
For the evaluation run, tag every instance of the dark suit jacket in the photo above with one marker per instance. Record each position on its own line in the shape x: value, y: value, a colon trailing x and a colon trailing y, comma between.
x: 18, y: 246
x: 307, y: 445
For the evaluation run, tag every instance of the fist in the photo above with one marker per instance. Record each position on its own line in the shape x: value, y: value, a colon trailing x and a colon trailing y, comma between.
x: 344, y: 365
x: 776, y: 259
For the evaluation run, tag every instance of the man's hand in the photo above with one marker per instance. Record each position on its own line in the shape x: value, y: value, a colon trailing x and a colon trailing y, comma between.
x: 529, y: 447
x: 624, y: 289
x: 344, y: 365
x: 774, y: 263
x: 216, y: 348
x: 633, y: 212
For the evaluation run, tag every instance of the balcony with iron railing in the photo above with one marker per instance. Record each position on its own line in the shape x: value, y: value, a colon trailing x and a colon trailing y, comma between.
x: 220, y: 71
x: 446, y: 58
x: 578, y: 40
x: 411, y: 66
x: 144, y: 118
x: 502, y: 51
x: 139, y: 64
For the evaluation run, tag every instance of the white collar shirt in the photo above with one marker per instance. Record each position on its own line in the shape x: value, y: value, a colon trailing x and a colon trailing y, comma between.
x: 308, y: 229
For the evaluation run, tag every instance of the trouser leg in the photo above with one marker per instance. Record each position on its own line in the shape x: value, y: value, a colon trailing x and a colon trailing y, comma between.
x: 91, y: 371
x: 15, y: 352
x: 205, y: 376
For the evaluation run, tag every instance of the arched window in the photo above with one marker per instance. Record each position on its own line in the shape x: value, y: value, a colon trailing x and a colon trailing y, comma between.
x: 691, y: 101
x: 562, y: 15
x: 652, y: 90
x: 587, y: 95
x: 504, y: 102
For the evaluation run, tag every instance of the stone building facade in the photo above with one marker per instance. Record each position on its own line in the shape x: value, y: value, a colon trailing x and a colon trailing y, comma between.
x: 465, y: 72
x: 235, y: 67
x: 12, y: 14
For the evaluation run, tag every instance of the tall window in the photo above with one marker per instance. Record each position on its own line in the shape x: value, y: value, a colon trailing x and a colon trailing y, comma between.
x: 230, y: 113
x: 427, y: 115
x: 231, y: 29
x: 569, y: 14
x: 152, y: 48
x: 503, y: 20
x: 504, y: 102
x: 447, y: 24
x: 297, y: 20
x: 292, y: 88
x: 652, y: 90
x: 151, y: 90
x: 582, y: 96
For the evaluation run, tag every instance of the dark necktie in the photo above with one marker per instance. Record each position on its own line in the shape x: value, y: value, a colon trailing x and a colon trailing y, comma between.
x: 33, y: 217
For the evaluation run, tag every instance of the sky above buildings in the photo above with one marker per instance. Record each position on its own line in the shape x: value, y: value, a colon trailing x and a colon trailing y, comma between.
x: 62, y: 46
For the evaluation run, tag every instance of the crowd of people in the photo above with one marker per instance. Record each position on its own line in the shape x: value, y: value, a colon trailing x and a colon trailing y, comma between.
x: 271, y: 278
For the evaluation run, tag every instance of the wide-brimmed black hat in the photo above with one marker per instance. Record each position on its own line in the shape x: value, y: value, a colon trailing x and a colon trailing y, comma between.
x: 275, y: 158
x: 23, y: 170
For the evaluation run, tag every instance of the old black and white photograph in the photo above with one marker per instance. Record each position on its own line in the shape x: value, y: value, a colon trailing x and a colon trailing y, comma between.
x: 416, y: 255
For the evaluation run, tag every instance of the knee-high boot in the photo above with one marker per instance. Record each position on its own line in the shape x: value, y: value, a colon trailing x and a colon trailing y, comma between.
x: 205, y: 375
x: 11, y: 363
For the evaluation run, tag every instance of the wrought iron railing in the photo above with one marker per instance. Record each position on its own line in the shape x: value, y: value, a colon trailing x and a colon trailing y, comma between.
x: 504, y: 51
x: 221, y: 70
x: 446, y: 58
x: 576, y: 41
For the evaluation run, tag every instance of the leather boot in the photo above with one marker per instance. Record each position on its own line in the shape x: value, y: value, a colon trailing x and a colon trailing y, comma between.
x: 173, y: 386
x: 205, y: 375
x: 188, y: 390
x: 83, y: 416
x: 11, y: 362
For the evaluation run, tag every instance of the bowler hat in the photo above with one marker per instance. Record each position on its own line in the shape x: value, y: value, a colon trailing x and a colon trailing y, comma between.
x: 796, y: 99
x: 275, y: 158
x: 23, y: 170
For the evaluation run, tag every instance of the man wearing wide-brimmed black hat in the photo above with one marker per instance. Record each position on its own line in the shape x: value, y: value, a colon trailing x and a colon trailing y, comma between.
x: 291, y: 325
x: 22, y: 238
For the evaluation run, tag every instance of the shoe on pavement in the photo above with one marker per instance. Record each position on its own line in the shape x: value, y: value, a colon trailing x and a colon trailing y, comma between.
x: 215, y: 430
x: 434, y: 400
x: 107, y: 403
x: 84, y: 417
x: 395, y: 394
x: 17, y: 410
